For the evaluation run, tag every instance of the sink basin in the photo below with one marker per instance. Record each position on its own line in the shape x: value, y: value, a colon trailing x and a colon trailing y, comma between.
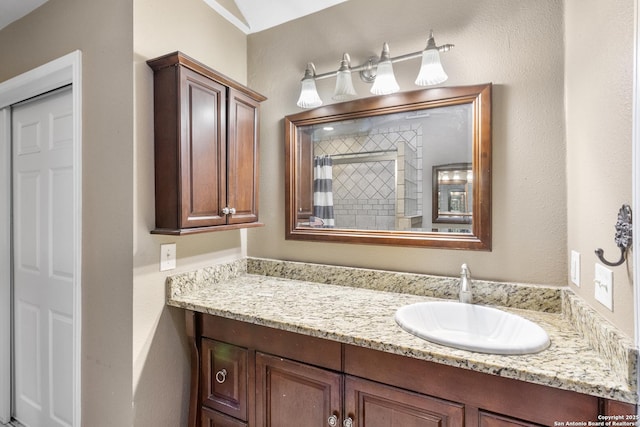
x: 472, y: 327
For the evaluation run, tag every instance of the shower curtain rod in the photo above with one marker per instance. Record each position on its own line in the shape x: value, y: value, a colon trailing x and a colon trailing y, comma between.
x: 362, y: 153
x: 364, y: 156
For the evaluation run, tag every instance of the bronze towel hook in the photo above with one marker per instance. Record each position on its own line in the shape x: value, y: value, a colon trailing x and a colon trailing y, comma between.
x: 623, y: 237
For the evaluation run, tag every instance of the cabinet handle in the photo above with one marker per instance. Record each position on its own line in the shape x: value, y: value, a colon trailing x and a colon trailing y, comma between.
x: 333, y: 421
x: 232, y: 211
x: 221, y: 376
x: 348, y: 422
x: 228, y: 211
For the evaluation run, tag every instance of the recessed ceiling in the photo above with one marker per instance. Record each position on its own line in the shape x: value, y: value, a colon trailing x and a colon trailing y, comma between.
x: 252, y: 16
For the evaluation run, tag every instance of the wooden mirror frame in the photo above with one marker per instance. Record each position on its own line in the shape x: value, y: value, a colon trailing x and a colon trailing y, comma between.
x: 478, y: 95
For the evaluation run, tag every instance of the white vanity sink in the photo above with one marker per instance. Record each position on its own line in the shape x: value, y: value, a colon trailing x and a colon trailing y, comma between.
x: 472, y: 327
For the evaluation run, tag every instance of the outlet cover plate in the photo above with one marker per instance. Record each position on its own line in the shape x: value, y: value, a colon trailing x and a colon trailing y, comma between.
x: 167, y: 256
x: 575, y: 268
x: 604, y: 286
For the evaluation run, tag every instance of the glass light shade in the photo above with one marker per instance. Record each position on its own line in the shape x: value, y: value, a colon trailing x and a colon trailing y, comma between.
x: 344, y: 86
x: 309, y: 97
x: 431, y: 71
x: 385, y: 82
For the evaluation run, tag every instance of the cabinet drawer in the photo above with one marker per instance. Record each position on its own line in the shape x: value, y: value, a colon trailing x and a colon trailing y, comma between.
x: 493, y: 420
x: 224, y: 378
x: 215, y: 419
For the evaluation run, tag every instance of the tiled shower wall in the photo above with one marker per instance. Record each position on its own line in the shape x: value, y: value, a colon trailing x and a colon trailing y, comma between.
x: 365, y: 193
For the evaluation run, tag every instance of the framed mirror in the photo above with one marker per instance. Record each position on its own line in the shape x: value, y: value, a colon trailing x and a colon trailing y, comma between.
x: 452, y: 194
x: 408, y: 169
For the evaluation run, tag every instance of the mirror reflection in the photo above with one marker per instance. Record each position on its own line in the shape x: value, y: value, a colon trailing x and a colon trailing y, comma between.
x: 408, y: 169
x: 453, y: 195
x: 374, y: 173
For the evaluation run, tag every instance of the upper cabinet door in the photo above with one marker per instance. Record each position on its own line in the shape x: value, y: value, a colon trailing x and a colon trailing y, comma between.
x: 203, y: 151
x: 242, y: 156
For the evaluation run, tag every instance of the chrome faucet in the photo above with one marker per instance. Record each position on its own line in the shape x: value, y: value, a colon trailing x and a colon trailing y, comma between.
x: 465, y: 285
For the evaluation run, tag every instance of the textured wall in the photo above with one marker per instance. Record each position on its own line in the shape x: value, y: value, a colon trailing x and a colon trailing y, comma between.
x: 160, y: 358
x: 598, y: 80
x: 103, y: 32
x: 517, y: 45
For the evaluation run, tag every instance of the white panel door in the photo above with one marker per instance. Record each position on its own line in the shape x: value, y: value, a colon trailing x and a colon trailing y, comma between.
x: 43, y: 227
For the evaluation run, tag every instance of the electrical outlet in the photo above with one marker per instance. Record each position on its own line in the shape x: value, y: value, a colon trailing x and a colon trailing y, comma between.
x: 167, y: 256
x: 604, y: 286
x: 575, y: 268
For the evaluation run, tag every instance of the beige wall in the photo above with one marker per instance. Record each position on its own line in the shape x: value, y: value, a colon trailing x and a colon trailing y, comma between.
x: 517, y: 45
x: 598, y: 91
x: 160, y: 356
x: 135, y: 360
x: 103, y: 32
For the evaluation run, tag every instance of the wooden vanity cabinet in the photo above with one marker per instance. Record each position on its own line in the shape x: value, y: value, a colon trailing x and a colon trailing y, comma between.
x: 297, y: 380
x: 206, y: 129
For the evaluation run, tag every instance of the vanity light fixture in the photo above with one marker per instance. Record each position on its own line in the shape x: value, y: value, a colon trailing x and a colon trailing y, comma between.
x: 344, y: 85
x: 309, y: 97
x: 377, y: 70
x: 431, y: 71
x: 385, y: 81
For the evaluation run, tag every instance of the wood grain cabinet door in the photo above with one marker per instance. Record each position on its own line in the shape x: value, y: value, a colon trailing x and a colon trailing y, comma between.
x: 371, y: 404
x: 242, y: 158
x: 202, y: 151
x: 292, y: 394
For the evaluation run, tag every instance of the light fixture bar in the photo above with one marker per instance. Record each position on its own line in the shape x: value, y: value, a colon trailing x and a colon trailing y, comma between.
x: 374, y: 60
x: 378, y: 71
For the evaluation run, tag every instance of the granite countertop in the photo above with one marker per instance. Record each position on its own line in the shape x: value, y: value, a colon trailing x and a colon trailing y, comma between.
x: 364, y: 317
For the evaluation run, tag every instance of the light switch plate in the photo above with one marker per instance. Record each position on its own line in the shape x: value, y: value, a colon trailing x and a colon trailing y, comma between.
x: 167, y: 256
x: 604, y: 286
x: 575, y: 268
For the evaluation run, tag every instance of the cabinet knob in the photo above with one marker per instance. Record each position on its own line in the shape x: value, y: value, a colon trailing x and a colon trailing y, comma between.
x: 221, y: 376
x: 333, y: 421
x: 348, y: 422
x: 228, y: 211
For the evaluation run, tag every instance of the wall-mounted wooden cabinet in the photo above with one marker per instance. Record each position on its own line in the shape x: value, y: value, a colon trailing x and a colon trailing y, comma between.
x: 206, y: 148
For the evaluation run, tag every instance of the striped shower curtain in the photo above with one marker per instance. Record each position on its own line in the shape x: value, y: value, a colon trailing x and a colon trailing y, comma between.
x: 323, y: 191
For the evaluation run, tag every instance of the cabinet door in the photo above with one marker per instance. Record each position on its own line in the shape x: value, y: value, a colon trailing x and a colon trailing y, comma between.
x: 214, y: 419
x: 292, y: 394
x: 371, y: 404
x: 224, y: 378
x: 242, y: 156
x: 202, y: 150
